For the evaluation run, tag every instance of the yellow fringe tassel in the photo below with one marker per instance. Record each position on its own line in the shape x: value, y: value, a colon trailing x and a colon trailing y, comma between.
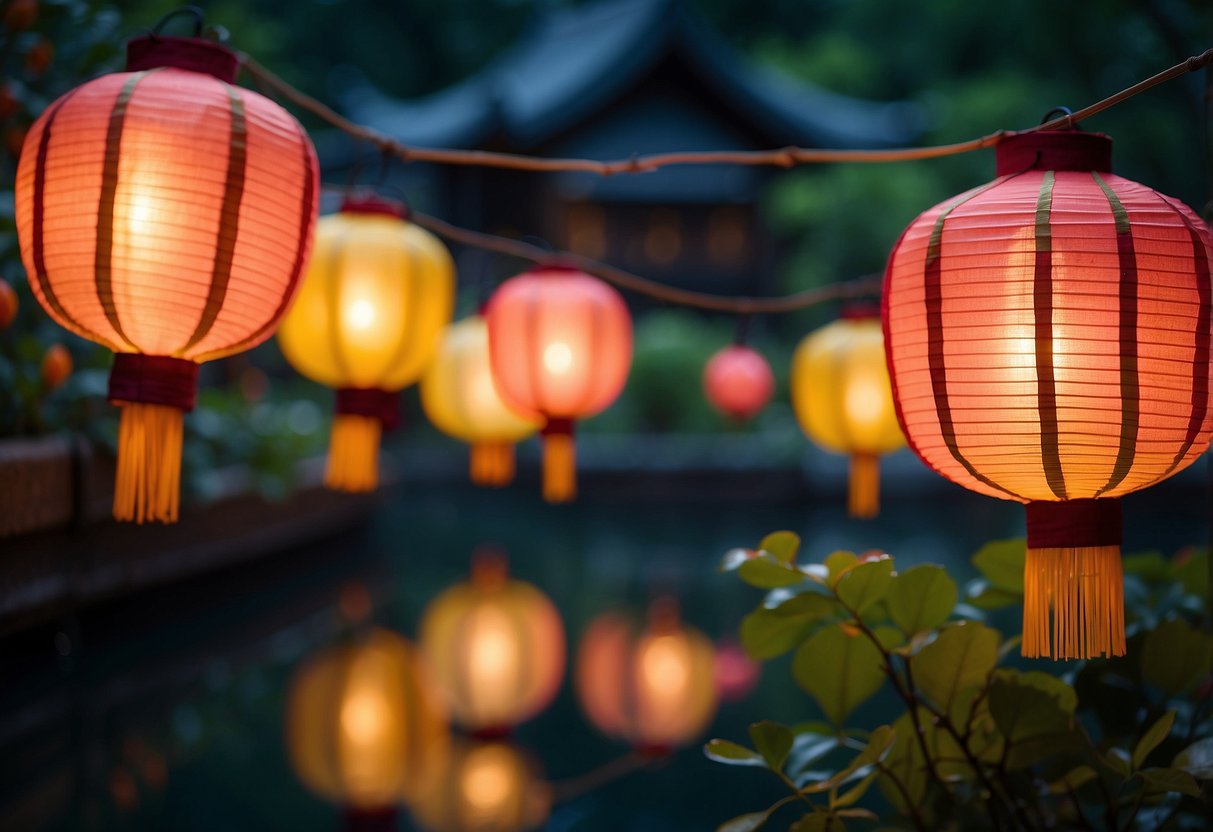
x: 492, y: 463
x: 1083, y: 590
x: 148, y: 485
x: 863, y: 499
x: 559, y: 468
x: 353, y: 463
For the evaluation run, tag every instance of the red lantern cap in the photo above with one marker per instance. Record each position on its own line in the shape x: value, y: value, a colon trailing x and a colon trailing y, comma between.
x: 193, y: 54
x: 1054, y: 150
x: 374, y: 204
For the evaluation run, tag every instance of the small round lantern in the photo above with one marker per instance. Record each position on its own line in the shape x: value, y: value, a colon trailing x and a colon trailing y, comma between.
x: 560, y: 342
x: 497, y: 648
x: 1048, y: 338
x: 367, y: 321
x: 655, y: 688
x: 461, y: 399
x: 166, y: 214
x: 364, y: 726
x: 842, y: 399
x: 489, y: 786
x: 738, y: 382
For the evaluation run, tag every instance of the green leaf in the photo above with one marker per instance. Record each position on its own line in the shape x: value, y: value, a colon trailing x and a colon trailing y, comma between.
x: 921, y: 598
x: 765, y: 572
x: 1034, y: 712
x: 985, y: 596
x: 1152, y: 738
x: 863, y: 585
x: 1192, y: 570
x: 1073, y: 780
x: 853, y: 794
x: 1161, y: 780
x: 1001, y: 562
x: 839, y: 562
x: 818, y: 820
x: 1151, y: 566
x: 783, y: 545
x: 1196, y: 759
x: 767, y: 633
x: 1175, y: 657
x: 1117, y: 759
x: 732, y: 754
x: 838, y: 670
x: 878, y: 748
x: 773, y: 742
x: 745, y: 823
x: 958, y: 662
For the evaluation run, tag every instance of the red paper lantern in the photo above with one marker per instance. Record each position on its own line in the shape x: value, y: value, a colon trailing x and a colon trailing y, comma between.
x: 166, y: 214
x: 560, y: 344
x: 1048, y: 341
x: 738, y: 382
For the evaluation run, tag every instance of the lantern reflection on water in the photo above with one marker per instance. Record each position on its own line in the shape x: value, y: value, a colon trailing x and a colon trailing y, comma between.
x: 364, y: 726
x: 497, y: 647
x: 488, y: 786
x: 653, y: 688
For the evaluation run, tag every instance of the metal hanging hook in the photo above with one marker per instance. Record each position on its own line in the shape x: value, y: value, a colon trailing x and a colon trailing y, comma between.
x: 1055, y: 112
x: 195, y: 12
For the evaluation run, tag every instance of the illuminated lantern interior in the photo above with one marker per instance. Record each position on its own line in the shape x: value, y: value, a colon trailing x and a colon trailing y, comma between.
x: 842, y: 399
x: 367, y: 322
x: 654, y: 688
x: 497, y: 647
x: 738, y: 382
x: 364, y: 726
x: 560, y: 343
x: 1048, y: 338
x: 166, y: 214
x: 489, y: 786
x: 461, y: 399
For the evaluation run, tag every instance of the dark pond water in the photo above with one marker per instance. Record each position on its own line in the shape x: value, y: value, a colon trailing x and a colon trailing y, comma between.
x: 165, y: 711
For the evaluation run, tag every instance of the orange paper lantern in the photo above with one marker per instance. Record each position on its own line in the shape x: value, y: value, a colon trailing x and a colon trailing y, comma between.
x: 560, y: 343
x: 461, y: 399
x: 166, y: 214
x: 489, y: 786
x: 738, y: 382
x: 1048, y: 339
x: 842, y: 399
x: 365, y: 726
x: 655, y: 688
x: 497, y: 648
x: 367, y: 322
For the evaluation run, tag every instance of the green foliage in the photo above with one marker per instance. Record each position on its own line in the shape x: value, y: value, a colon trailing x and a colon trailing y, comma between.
x: 979, y: 742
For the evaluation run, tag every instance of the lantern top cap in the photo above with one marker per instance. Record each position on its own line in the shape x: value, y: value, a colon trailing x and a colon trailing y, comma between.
x: 1059, y: 150
x: 367, y: 203
x: 191, y: 54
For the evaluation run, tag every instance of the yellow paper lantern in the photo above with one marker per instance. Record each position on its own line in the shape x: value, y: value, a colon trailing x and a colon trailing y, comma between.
x: 461, y: 399
x: 655, y: 688
x: 377, y: 295
x: 488, y: 787
x: 364, y: 725
x: 497, y: 648
x: 844, y: 403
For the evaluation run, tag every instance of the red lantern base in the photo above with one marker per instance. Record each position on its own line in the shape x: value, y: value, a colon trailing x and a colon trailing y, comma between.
x: 1073, y: 583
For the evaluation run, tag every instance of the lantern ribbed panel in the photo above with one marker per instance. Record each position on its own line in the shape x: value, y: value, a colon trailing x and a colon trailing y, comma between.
x: 377, y: 295
x: 1048, y: 336
x: 560, y: 343
x: 166, y: 212
x: 459, y: 394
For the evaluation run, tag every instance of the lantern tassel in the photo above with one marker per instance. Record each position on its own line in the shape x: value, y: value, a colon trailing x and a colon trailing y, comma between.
x: 559, y: 467
x: 863, y: 498
x: 147, y: 487
x: 1082, y: 590
x: 491, y: 464
x: 353, y: 462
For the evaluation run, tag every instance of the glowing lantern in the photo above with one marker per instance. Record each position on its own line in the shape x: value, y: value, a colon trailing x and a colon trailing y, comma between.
x: 367, y: 321
x: 488, y: 787
x: 1048, y: 338
x: 736, y: 673
x: 738, y: 382
x: 560, y: 342
x: 364, y: 727
x: 842, y: 399
x: 166, y: 214
x: 496, y: 646
x: 461, y: 399
x: 655, y: 689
